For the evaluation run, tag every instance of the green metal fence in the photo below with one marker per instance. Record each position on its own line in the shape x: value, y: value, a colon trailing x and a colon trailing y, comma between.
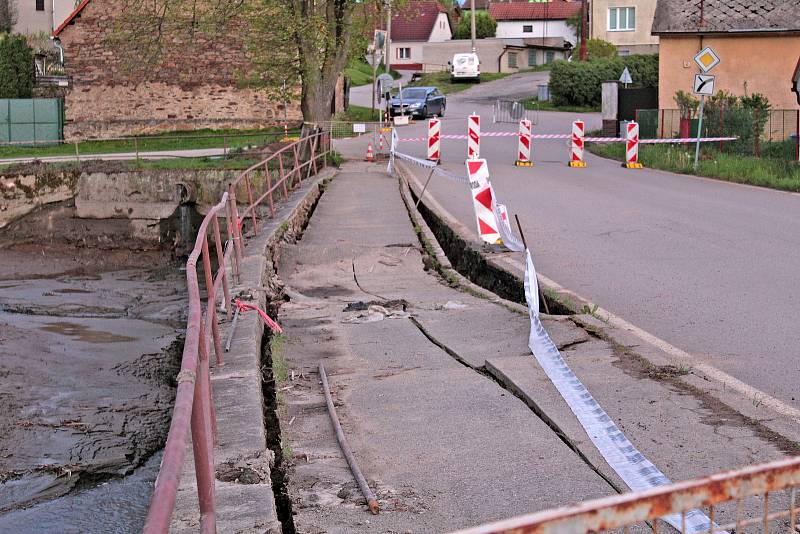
x: 31, y: 120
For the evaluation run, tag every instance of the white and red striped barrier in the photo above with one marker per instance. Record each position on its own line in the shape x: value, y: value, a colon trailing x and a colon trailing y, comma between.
x: 478, y: 172
x: 632, y: 146
x: 524, y: 144
x: 473, y: 136
x: 434, y: 139
x: 576, y: 145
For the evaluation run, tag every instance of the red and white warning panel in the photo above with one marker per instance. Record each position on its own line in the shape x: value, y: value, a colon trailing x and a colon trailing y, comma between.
x: 478, y: 172
x: 524, y: 147
x: 473, y: 136
x: 434, y: 139
x: 576, y: 144
x: 632, y: 146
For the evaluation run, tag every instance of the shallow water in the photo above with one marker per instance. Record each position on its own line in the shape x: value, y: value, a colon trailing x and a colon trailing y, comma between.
x: 87, y: 365
x: 118, y: 506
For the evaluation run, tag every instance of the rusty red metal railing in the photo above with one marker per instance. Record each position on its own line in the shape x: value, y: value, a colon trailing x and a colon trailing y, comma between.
x: 194, y: 406
x: 734, y: 499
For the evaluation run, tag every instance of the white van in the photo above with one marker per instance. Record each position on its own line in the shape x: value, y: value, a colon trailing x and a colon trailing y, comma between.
x: 465, y: 67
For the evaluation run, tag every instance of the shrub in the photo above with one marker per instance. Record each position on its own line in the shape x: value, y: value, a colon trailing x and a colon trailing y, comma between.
x: 577, y: 83
x: 599, y: 48
x: 16, y: 67
x: 485, y: 26
x: 728, y: 115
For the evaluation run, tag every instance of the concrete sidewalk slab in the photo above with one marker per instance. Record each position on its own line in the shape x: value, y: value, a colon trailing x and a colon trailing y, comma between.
x: 443, y: 445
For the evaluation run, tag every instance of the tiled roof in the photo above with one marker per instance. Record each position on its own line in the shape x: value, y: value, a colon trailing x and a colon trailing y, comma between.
x: 726, y: 16
x: 415, y: 20
x: 556, y: 9
x: 72, y: 16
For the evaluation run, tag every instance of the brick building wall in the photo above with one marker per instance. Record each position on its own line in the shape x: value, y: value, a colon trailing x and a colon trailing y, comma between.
x: 196, y: 84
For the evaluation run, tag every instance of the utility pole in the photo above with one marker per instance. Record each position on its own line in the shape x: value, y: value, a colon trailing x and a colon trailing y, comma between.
x: 386, y: 51
x: 472, y: 24
x: 584, y: 29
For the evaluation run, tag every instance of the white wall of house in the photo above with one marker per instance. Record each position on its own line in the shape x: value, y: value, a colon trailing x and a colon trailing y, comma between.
x: 400, y: 48
x: 515, y: 29
x: 31, y: 20
x: 441, y: 30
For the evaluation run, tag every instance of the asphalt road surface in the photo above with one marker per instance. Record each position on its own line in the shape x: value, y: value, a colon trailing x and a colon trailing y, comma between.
x: 708, y: 266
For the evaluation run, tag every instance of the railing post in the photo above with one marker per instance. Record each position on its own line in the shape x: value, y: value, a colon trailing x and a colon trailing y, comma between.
x: 202, y: 441
x: 269, y: 189
x: 281, y: 173
x: 297, y: 164
x: 211, y: 299
x: 229, y: 223
x: 237, y: 228
x: 221, y: 265
x: 252, y: 207
x: 314, y: 153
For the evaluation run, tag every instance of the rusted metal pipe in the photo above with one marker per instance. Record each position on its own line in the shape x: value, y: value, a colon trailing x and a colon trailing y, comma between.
x: 372, y: 502
x: 233, y: 329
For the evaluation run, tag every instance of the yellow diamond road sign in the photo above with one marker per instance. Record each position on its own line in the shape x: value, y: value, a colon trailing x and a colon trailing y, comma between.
x: 707, y: 59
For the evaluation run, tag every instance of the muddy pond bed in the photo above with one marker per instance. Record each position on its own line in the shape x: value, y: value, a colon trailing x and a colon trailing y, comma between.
x: 90, y: 344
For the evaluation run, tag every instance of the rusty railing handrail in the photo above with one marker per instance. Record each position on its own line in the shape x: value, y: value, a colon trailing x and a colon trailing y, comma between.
x: 624, y: 510
x: 194, y: 407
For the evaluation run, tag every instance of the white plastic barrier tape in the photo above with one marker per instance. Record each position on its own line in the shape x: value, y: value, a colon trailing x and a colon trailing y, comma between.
x: 506, y: 234
x: 632, y: 143
x: 483, y: 201
x: 623, y: 457
x: 524, y: 143
x: 576, y: 146
x: 473, y: 136
x: 434, y: 141
x: 585, y: 139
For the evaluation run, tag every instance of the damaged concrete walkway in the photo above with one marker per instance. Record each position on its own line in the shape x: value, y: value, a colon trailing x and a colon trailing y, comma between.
x: 452, y: 421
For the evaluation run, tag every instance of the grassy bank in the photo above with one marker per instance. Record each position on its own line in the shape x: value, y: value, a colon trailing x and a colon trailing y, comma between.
x: 533, y: 103
x: 183, y: 140
x: 219, y: 163
x: 775, y: 173
x: 357, y: 114
x: 360, y: 73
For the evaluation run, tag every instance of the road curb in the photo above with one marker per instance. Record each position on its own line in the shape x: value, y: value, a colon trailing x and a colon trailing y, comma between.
x: 763, y: 413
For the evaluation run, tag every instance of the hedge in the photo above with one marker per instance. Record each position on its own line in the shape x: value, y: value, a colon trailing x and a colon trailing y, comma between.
x: 16, y: 67
x: 578, y: 83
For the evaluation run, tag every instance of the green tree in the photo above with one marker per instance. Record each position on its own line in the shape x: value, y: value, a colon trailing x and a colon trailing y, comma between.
x: 8, y: 15
x: 485, y: 26
x: 599, y: 48
x: 16, y: 67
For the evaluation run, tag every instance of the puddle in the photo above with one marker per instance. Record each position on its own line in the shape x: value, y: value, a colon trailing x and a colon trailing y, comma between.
x: 84, y: 333
x: 71, y: 290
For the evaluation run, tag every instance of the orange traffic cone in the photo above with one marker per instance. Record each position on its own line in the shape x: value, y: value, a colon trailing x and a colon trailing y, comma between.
x: 369, y: 157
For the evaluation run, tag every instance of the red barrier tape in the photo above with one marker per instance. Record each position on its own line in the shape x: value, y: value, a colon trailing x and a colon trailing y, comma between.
x: 275, y: 327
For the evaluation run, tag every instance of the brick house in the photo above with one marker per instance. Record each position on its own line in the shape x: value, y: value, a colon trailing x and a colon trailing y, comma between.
x: 416, y: 23
x: 757, y: 43
x: 196, y: 84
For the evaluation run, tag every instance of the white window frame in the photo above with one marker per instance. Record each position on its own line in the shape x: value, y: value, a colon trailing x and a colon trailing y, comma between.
x: 403, y: 52
x: 614, y: 15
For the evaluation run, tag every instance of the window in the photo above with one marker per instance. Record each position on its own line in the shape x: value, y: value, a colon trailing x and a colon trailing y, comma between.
x: 527, y: 28
x: 512, y: 60
x: 621, y: 19
x: 39, y: 5
x: 403, y: 53
x: 624, y: 52
x: 531, y: 58
x: 549, y: 57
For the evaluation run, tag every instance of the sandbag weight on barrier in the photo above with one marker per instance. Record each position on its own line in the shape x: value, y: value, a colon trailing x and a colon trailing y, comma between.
x: 524, y: 146
x: 473, y: 136
x: 478, y: 172
x: 434, y: 139
x: 632, y: 146
x: 576, y: 144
